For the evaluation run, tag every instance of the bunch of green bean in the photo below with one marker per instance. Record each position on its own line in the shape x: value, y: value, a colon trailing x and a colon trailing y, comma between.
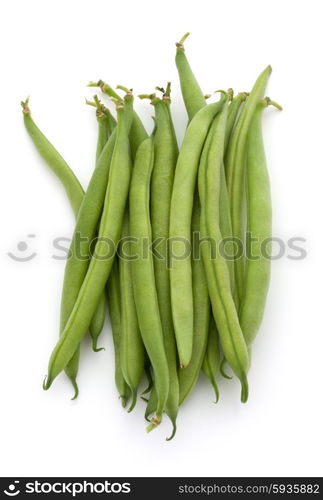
x: 172, y: 242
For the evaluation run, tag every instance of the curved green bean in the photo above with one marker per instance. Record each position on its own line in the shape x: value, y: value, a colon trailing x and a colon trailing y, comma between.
x: 75, y: 195
x: 180, y: 229
x: 194, y: 100
x: 225, y: 229
x: 217, y: 272
x: 192, y: 94
x: 165, y: 156
x: 100, y: 266
x: 259, y: 220
x: 86, y: 225
x: 188, y: 376
x: 106, y: 125
x: 144, y: 277
x: 54, y: 160
x: 236, y: 172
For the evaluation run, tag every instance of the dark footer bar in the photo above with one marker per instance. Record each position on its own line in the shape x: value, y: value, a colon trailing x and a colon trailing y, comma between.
x: 150, y: 487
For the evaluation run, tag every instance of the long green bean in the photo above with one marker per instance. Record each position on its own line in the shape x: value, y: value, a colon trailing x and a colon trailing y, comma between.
x: 100, y: 266
x: 258, y: 228
x: 180, y: 229
x: 144, y: 284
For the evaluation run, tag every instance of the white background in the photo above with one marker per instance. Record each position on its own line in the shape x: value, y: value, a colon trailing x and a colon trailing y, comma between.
x: 50, y: 50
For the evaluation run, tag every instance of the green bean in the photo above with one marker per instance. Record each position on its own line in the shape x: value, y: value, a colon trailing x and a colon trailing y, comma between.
x: 86, y: 225
x: 113, y: 294
x: 225, y: 229
x: 236, y: 172
x: 188, y: 376
x: 106, y: 124
x: 259, y: 219
x: 143, y: 275
x: 217, y: 273
x: 180, y: 228
x: 100, y: 266
x: 75, y: 194
x: 212, y: 359
x: 54, y: 160
x: 194, y: 100
x: 132, y: 348
x: 225, y: 216
x: 192, y: 94
x: 165, y: 156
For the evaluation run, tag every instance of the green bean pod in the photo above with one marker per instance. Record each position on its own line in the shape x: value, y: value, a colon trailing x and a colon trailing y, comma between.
x: 101, y: 264
x: 194, y: 101
x: 188, y: 376
x: 225, y: 215
x: 54, y: 160
x: 236, y: 173
x: 87, y: 224
x: 192, y: 94
x: 106, y: 125
x: 259, y: 221
x: 114, y: 305
x: 75, y: 195
x: 144, y: 284
x: 180, y: 229
x: 217, y: 272
x: 211, y: 350
x: 132, y: 348
x: 165, y: 156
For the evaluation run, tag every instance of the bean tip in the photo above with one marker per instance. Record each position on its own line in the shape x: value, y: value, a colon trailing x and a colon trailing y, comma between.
x: 46, y: 383
x: 95, y: 347
x: 244, y: 388
x: 154, y: 422
x: 133, y: 401
x: 25, y: 106
x: 76, y: 389
x: 173, y: 432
